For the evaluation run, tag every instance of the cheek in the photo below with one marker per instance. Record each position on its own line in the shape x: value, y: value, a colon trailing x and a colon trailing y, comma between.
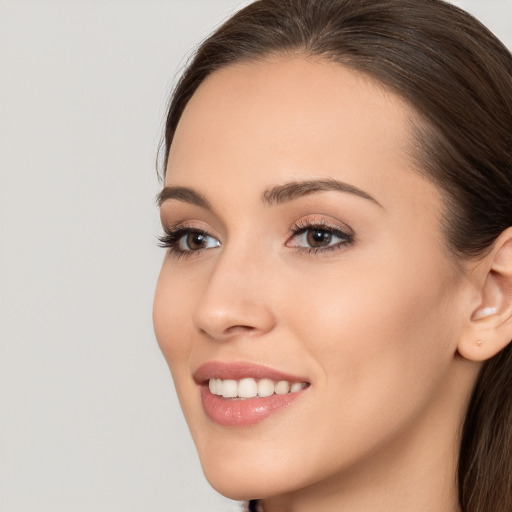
x: 172, y: 313
x: 369, y: 309
x: 171, y: 306
x: 384, y: 340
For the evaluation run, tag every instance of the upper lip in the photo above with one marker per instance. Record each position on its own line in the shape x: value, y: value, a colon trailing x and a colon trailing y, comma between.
x: 240, y: 370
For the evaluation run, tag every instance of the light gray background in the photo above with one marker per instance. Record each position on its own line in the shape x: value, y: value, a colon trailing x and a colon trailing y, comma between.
x: 88, y: 417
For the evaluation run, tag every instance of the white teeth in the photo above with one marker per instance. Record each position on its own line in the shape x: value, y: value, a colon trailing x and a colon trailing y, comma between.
x: 296, y: 386
x: 250, y: 388
x: 265, y: 387
x: 282, y: 387
x: 247, y: 388
x: 229, y: 388
x: 215, y: 386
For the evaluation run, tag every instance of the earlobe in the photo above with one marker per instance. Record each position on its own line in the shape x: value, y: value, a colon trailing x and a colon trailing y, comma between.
x: 490, y: 325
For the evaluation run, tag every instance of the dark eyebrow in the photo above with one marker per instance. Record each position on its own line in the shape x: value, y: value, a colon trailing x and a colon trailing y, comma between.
x: 184, y: 194
x: 290, y: 191
x: 272, y: 196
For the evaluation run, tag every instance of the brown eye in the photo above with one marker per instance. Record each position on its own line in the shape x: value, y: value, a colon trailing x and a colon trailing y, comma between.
x: 195, y: 241
x: 318, y: 237
x: 185, y: 241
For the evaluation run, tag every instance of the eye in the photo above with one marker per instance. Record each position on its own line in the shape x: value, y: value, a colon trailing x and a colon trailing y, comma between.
x: 317, y: 238
x: 184, y: 241
x: 195, y: 241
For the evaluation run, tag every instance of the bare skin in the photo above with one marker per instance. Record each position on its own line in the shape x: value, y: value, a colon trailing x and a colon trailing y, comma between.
x: 374, y: 316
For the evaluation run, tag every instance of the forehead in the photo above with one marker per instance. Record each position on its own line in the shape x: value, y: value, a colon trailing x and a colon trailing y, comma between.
x: 293, y: 109
x: 259, y: 124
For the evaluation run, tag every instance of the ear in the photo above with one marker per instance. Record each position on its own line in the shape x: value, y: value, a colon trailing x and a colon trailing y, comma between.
x: 490, y: 323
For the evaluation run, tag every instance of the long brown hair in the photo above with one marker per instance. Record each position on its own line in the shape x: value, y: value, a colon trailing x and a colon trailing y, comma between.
x: 457, y: 77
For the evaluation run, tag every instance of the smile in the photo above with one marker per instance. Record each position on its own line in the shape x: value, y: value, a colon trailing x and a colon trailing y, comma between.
x: 243, y: 394
x: 252, y: 388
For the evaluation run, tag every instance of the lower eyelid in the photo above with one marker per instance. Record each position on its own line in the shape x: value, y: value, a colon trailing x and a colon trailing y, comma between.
x: 321, y: 250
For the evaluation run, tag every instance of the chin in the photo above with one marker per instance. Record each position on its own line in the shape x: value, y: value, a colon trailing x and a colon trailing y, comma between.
x: 242, y: 486
x: 248, y: 475
x: 237, y: 492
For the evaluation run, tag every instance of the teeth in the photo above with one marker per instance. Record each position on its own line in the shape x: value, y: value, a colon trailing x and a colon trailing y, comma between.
x: 265, y: 387
x: 229, y: 388
x: 247, y: 388
x: 282, y: 387
x: 250, y: 388
x: 296, y: 386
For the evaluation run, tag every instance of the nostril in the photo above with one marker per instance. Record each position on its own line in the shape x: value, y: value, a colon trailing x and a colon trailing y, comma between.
x: 232, y: 331
x: 240, y: 330
x: 235, y: 329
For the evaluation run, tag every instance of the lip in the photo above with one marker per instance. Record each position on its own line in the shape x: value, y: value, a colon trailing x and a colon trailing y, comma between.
x: 241, y: 370
x: 233, y: 412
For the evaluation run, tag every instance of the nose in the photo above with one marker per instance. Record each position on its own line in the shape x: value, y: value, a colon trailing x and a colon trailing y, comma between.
x: 235, y: 300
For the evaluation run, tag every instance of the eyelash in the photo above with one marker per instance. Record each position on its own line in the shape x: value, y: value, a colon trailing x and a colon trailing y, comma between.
x: 303, y: 226
x: 172, y: 236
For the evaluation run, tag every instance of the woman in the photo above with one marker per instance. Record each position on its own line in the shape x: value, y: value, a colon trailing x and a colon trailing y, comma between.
x: 336, y: 302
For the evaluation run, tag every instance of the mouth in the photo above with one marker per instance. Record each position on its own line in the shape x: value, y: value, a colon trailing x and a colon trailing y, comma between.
x: 244, y: 389
x: 242, y: 394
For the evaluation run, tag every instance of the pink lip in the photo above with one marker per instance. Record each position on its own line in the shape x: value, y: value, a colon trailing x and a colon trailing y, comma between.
x: 240, y: 370
x: 236, y: 412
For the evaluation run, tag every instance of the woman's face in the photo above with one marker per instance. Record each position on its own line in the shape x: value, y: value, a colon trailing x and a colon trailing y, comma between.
x: 305, y: 248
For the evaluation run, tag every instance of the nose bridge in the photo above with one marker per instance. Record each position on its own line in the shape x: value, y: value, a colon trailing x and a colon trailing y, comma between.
x: 236, y: 297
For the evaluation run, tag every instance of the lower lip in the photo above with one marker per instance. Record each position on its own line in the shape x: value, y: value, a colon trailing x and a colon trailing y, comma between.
x: 231, y: 412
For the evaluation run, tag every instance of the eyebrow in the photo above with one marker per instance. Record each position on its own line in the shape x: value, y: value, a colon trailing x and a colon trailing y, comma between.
x: 184, y: 194
x: 278, y: 194
x: 290, y: 191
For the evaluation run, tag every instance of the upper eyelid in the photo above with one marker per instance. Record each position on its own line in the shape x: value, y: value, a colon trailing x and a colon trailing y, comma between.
x: 300, y: 225
x: 313, y: 225
x: 179, y: 232
x: 304, y: 224
x: 189, y: 226
x: 174, y: 228
x: 335, y: 231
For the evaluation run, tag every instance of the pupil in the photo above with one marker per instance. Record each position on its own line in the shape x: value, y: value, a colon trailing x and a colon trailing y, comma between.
x: 196, y: 240
x: 319, y: 238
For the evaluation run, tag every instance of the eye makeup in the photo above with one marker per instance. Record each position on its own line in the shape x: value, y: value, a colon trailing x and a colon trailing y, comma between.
x: 313, y: 236
x: 183, y: 240
x: 310, y: 236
